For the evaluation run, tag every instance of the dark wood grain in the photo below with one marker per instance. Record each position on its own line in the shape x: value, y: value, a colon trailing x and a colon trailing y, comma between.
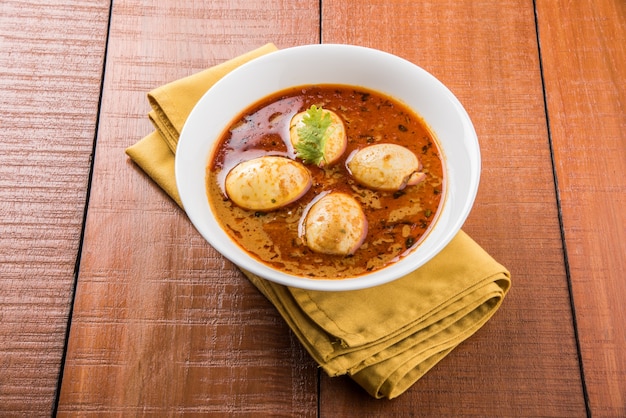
x: 162, y: 324
x: 524, y: 362
x: 51, y: 55
x: 584, y: 58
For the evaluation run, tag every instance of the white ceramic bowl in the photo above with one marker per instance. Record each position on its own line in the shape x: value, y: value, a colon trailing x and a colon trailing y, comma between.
x: 331, y: 64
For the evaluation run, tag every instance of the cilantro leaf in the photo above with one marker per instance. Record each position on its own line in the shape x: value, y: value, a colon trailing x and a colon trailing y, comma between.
x: 313, y: 135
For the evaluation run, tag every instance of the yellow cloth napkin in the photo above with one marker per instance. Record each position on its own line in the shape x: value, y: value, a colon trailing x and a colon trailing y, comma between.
x: 385, y: 337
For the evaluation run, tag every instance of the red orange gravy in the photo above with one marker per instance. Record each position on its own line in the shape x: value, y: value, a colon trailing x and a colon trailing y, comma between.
x: 397, y: 221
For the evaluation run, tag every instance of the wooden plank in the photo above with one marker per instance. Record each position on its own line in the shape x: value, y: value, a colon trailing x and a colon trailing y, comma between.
x: 524, y: 362
x: 51, y: 55
x: 163, y: 324
x: 584, y: 58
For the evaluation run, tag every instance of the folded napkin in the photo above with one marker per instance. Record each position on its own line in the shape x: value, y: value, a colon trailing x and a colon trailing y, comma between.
x: 385, y: 337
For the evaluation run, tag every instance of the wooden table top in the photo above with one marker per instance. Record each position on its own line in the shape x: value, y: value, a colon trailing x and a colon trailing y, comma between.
x: 112, y: 304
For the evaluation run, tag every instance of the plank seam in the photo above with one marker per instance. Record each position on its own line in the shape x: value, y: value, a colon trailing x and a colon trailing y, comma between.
x: 560, y: 217
x: 85, y: 210
x: 321, y: 19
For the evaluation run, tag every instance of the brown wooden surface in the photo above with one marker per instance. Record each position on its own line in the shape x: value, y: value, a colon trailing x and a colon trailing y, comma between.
x: 163, y: 325
x: 51, y: 55
x: 584, y: 57
x: 488, y: 57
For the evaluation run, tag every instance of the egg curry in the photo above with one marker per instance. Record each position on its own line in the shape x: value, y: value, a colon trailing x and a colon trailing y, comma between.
x: 326, y: 181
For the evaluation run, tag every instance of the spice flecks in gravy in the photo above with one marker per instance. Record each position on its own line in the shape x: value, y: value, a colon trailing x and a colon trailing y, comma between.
x: 397, y: 220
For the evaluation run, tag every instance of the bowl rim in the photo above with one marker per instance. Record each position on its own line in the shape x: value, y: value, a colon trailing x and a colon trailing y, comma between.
x: 243, y: 74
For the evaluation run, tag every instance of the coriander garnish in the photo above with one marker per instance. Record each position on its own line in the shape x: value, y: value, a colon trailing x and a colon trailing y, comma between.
x: 313, y: 135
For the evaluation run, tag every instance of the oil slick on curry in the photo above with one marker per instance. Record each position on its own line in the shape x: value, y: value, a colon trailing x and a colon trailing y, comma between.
x: 326, y: 181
